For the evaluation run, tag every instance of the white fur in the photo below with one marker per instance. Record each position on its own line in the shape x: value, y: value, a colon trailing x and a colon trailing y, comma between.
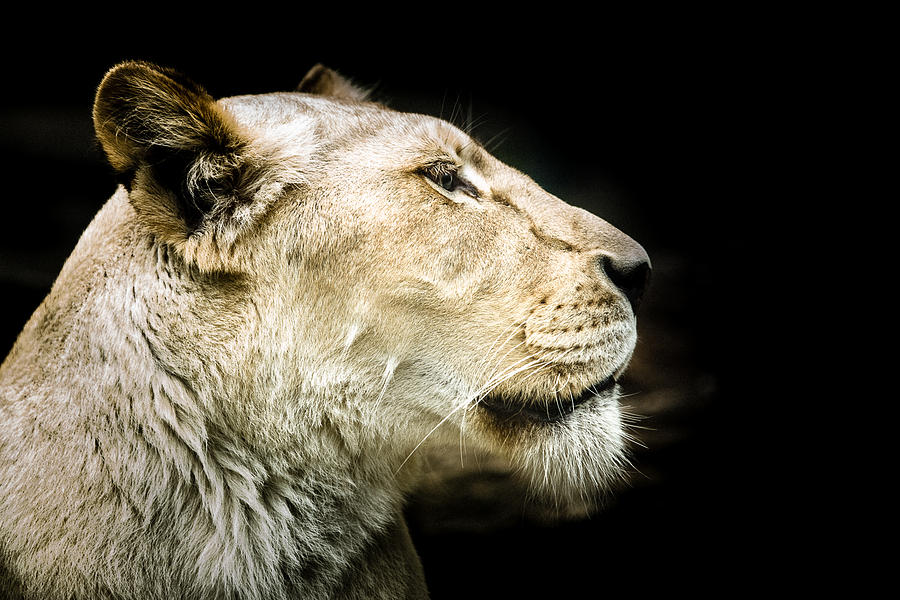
x: 238, y: 411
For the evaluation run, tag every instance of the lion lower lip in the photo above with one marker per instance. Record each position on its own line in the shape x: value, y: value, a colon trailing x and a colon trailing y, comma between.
x: 544, y: 413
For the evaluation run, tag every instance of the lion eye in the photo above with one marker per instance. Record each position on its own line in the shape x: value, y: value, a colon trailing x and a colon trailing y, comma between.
x: 449, y: 180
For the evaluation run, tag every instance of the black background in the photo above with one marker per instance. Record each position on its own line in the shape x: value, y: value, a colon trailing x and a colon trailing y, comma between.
x: 669, y: 125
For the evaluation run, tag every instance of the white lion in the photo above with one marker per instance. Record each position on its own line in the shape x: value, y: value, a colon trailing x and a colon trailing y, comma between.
x: 225, y: 392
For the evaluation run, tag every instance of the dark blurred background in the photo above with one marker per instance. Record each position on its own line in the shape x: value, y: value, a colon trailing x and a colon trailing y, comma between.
x: 662, y: 124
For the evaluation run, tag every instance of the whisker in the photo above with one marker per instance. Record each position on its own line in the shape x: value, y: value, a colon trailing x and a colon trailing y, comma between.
x: 508, y: 368
x: 428, y: 435
x: 486, y: 390
x: 490, y: 352
x: 386, y: 377
x: 499, y: 138
x: 503, y: 376
x: 492, y: 382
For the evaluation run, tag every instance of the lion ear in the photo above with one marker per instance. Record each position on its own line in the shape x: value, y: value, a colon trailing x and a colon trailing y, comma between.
x: 326, y: 82
x: 144, y: 112
x: 188, y: 166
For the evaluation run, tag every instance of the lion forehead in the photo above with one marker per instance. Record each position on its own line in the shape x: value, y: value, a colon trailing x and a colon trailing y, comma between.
x: 404, y: 140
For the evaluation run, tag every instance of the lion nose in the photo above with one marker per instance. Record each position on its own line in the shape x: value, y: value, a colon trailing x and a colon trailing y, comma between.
x: 629, y: 271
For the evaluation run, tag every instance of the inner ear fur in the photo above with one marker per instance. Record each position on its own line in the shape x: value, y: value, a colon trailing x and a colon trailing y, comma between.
x: 324, y: 81
x: 188, y: 166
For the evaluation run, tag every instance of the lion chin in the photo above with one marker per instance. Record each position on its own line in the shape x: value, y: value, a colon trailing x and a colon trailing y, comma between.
x: 228, y: 391
x: 570, y: 447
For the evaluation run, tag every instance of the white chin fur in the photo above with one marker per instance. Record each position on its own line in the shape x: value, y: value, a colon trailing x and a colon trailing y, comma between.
x: 573, y: 463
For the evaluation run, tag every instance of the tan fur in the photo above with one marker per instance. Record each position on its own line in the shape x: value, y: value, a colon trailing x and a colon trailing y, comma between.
x: 227, y: 391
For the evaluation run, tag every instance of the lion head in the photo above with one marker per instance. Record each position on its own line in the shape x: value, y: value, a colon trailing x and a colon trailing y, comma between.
x: 377, y: 279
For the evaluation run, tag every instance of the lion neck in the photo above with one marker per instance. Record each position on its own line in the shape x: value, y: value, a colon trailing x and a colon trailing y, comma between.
x: 268, y: 473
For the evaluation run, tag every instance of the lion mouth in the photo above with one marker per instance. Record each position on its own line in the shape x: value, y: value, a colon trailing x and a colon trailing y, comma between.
x: 550, y: 411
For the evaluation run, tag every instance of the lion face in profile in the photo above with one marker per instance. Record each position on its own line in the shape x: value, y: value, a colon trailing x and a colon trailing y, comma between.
x: 395, y: 265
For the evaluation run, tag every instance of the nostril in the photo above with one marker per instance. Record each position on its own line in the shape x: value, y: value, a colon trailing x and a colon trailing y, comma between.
x: 630, y: 274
